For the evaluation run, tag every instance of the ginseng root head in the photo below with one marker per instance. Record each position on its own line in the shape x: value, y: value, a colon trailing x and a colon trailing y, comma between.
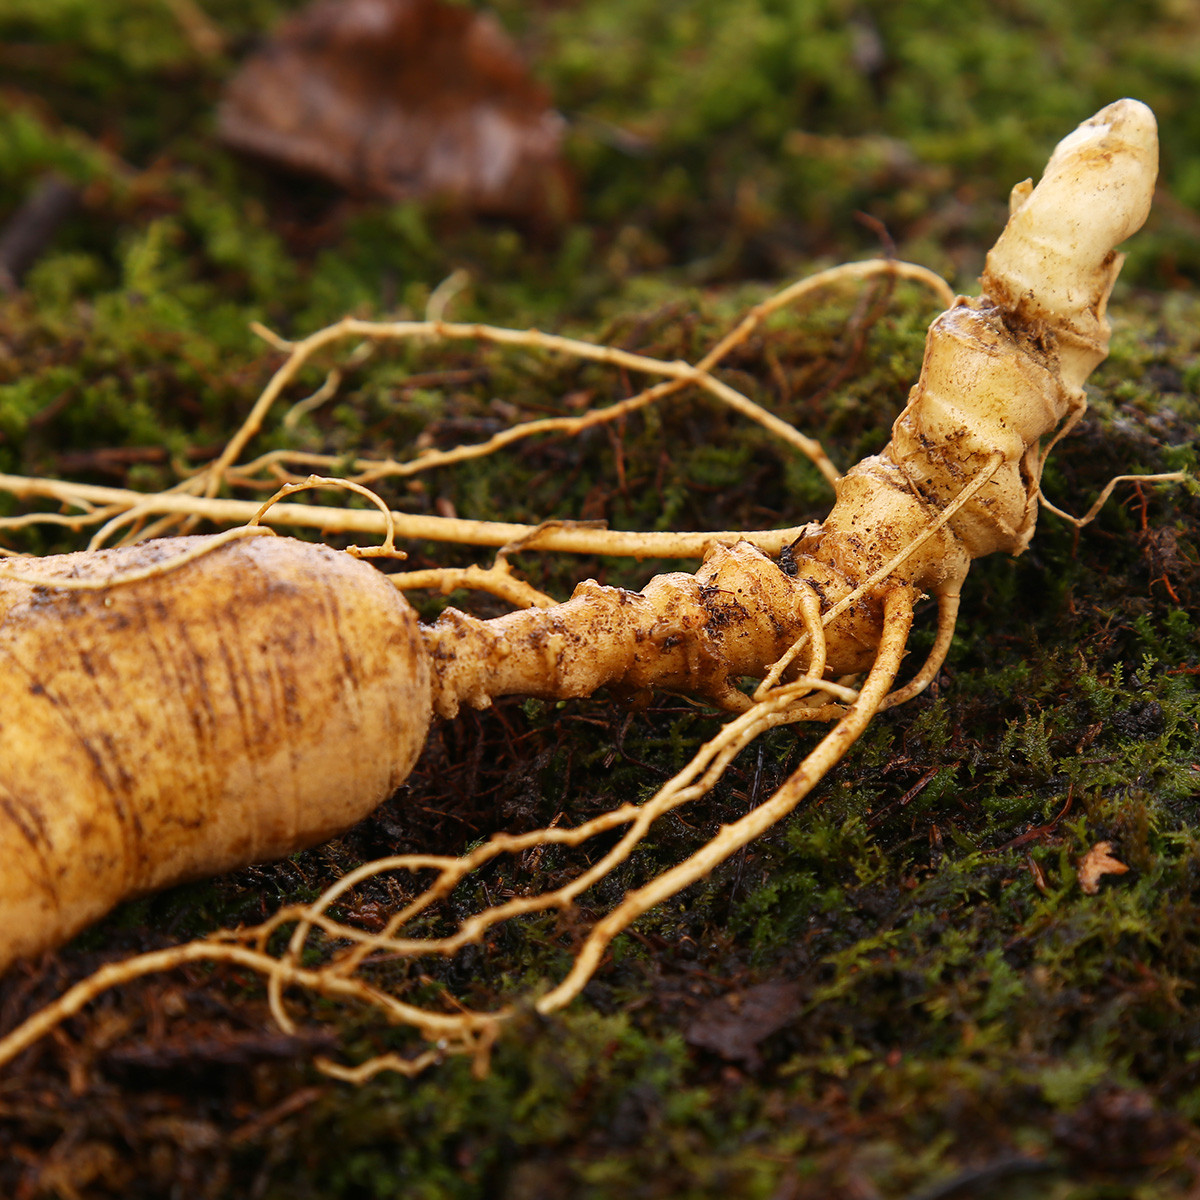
x: 1055, y: 260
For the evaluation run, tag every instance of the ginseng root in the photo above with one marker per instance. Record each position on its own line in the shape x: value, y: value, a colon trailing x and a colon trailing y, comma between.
x: 168, y: 714
x: 1002, y: 381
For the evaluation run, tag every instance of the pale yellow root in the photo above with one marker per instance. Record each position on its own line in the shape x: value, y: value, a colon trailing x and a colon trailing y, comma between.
x: 1106, y: 493
x: 1003, y: 447
x: 680, y: 375
x: 471, y: 1032
x: 195, y: 498
x: 205, y: 483
x: 948, y: 602
x: 457, y: 1033
x: 557, y: 536
x: 387, y: 550
x: 498, y: 580
x: 153, y: 571
x: 946, y: 630
x: 898, y: 609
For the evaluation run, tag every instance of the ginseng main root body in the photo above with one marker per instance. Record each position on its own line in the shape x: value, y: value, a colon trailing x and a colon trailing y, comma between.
x: 86, y: 793
x: 189, y: 722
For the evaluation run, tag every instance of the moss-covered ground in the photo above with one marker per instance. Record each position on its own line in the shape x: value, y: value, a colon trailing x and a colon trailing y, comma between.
x: 901, y: 991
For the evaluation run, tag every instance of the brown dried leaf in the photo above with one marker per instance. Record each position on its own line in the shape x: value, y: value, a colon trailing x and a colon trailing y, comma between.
x: 1096, y: 862
x: 732, y: 1026
x: 1039, y: 876
x: 403, y: 99
x: 1117, y: 1129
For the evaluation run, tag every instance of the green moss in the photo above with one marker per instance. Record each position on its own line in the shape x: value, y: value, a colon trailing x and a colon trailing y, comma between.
x: 956, y: 999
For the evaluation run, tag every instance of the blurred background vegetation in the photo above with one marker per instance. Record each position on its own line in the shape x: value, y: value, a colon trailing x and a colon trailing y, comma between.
x: 951, y: 1017
x: 713, y: 142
